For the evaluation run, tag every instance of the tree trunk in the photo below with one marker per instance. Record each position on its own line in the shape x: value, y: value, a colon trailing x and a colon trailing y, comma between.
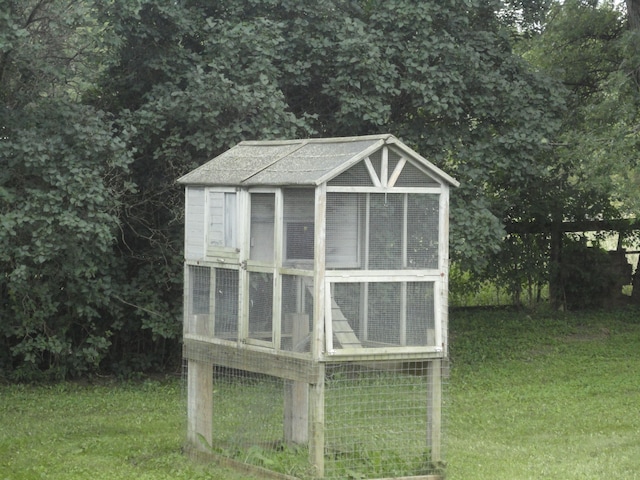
x: 556, y: 285
x: 633, y: 20
x: 635, y: 289
x: 633, y: 14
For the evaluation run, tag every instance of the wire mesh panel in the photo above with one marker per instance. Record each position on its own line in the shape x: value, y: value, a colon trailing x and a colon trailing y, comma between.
x: 199, y: 315
x: 420, y: 314
x: 378, y: 422
x: 255, y: 418
x: 226, y: 303
x: 297, y: 313
x: 249, y: 421
x: 261, y: 306
x: 423, y: 231
x: 262, y: 227
x: 411, y: 176
x: 344, y: 229
x: 403, y: 231
x: 212, y: 302
x: 298, y: 238
x: 385, y: 319
x: 382, y: 314
x: 386, y: 229
x: 358, y: 175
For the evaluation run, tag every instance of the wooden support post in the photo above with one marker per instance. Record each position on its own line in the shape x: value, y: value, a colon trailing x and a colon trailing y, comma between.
x: 200, y: 393
x: 316, y: 424
x: 434, y: 409
x: 200, y: 405
x: 296, y: 394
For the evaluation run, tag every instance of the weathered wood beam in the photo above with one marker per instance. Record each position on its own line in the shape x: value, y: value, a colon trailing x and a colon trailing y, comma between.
x: 615, y: 225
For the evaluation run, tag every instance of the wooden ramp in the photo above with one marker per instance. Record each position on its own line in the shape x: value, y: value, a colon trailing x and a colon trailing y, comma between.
x: 342, y: 330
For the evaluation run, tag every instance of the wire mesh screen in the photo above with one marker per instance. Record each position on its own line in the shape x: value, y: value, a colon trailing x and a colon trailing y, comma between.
x: 212, y: 302
x: 392, y: 161
x: 358, y: 175
x: 380, y: 420
x: 297, y: 313
x: 298, y: 227
x: 411, y: 176
x: 423, y: 214
x: 261, y: 306
x: 262, y: 227
x: 396, y: 231
x: 386, y: 229
x: 382, y: 314
x: 226, y: 303
x: 199, y: 318
x: 249, y: 422
x: 344, y: 227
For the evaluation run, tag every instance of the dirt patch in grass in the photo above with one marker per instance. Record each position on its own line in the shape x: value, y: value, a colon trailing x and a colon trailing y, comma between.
x: 588, y: 334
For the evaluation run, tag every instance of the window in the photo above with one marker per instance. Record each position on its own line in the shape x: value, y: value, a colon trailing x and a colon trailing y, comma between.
x: 222, y: 219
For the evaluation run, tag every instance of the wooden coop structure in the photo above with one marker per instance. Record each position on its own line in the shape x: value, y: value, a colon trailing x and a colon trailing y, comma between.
x: 315, y: 262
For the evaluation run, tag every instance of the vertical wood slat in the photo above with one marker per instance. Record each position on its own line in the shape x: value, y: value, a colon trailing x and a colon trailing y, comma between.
x: 296, y: 393
x: 442, y: 304
x: 316, y: 423
x: 384, y: 167
x: 316, y: 391
x: 434, y: 409
x: 403, y: 285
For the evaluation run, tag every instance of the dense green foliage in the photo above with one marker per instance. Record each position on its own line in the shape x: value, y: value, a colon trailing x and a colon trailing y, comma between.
x: 62, y: 178
x: 104, y: 103
x: 592, y: 162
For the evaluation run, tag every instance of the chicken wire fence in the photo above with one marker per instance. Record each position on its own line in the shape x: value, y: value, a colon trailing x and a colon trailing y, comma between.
x: 377, y: 421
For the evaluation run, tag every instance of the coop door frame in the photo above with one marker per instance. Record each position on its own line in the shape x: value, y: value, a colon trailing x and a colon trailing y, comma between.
x: 262, y: 266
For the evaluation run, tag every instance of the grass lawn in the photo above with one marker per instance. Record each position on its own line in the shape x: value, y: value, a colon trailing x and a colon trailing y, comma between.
x: 530, y: 396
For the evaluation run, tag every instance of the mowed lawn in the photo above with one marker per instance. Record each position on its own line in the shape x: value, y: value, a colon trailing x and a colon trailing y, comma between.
x: 531, y: 395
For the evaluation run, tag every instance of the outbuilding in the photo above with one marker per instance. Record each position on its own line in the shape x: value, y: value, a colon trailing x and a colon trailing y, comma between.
x: 306, y: 258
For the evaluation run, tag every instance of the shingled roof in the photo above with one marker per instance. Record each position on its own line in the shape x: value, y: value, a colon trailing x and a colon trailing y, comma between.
x: 298, y: 162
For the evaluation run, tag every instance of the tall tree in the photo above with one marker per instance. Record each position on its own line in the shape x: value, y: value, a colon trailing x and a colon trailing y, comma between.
x: 443, y: 77
x: 181, y: 81
x: 61, y: 169
x: 586, y: 46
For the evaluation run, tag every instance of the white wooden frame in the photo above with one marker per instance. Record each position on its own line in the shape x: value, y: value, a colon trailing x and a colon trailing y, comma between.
x: 436, y: 348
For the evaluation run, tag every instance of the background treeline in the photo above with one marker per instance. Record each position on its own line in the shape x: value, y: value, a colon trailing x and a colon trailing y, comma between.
x: 532, y: 105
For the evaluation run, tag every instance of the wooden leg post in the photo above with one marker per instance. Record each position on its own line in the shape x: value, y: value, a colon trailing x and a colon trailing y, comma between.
x: 296, y: 394
x: 200, y: 405
x: 316, y: 408
x: 434, y: 409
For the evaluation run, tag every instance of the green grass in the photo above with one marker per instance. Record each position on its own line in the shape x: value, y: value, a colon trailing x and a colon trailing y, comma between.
x: 107, y: 431
x: 531, y: 395
x: 548, y: 396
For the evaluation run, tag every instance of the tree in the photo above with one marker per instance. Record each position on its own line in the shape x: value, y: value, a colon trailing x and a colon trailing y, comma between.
x: 587, y: 47
x: 443, y: 77
x: 60, y: 187
x: 181, y: 81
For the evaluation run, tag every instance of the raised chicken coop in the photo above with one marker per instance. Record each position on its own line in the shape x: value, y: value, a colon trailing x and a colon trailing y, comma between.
x: 315, y: 307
